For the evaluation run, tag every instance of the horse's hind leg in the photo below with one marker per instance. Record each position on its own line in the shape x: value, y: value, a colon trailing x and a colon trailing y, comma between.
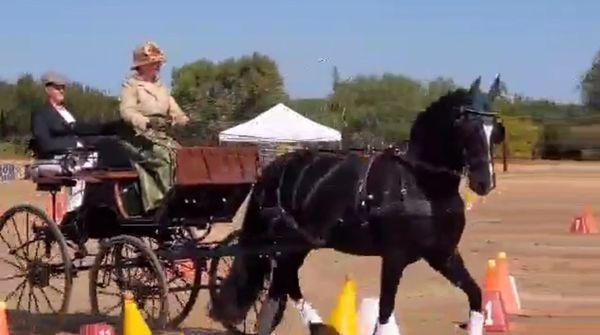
x: 307, y: 311
x: 285, y: 282
x: 452, y: 267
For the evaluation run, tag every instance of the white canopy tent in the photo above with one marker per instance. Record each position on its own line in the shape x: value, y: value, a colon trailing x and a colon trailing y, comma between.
x: 280, y: 124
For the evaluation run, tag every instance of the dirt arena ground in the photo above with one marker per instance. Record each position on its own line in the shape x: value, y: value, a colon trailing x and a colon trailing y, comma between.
x: 527, y: 216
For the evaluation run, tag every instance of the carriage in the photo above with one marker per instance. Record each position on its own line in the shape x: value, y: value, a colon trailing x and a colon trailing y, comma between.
x: 164, y: 258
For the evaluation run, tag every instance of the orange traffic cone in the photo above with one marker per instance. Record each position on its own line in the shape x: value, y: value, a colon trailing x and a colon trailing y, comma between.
x: 508, y: 289
x: 578, y: 226
x: 3, y: 319
x: 496, y: 319
x: 589, y: 220
x: 97, y: 329
x: 491, y: 276
x: 187, y: 269
x: 49, y: 207
x: 60, y: 208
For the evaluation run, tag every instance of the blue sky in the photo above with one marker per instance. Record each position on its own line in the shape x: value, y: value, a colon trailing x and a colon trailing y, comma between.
x: 541, y: 47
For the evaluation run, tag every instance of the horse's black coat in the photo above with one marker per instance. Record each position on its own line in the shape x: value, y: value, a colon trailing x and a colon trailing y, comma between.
x: 400, y: 207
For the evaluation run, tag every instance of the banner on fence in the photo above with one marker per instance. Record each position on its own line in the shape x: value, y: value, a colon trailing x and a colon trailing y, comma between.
x: 11, y: 172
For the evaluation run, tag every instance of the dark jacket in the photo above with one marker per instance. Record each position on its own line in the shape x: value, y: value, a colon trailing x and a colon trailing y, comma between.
x: 53, y: 135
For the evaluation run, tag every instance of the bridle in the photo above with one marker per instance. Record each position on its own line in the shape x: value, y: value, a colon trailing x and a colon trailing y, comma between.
x: 420, y: 164
x: 496, y: 122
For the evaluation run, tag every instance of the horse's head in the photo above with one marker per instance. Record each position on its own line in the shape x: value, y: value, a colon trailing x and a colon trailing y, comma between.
x: 478, y: 129
x: 460, y: 130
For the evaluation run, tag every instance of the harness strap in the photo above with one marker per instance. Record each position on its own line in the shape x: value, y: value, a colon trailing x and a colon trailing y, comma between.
x: 279, y: 215
x: 299, y: 179
x: 416, y: 164
x: 362, y: 183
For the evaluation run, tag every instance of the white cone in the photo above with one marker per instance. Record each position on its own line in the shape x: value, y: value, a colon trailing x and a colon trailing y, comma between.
x: 368, y: 315
x: 513, y: 286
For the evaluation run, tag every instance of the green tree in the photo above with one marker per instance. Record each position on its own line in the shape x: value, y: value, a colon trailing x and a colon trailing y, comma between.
x: 438, y: 88
x: 379, y: 110
x: 217, y: 95
x: 590, y: 84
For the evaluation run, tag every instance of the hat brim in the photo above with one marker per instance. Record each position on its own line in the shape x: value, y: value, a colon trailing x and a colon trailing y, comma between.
x: 57, y: 83
x: 136, y: 65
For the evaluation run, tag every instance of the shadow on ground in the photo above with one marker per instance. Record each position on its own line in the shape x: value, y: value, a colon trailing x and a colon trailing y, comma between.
x: 25, y: 323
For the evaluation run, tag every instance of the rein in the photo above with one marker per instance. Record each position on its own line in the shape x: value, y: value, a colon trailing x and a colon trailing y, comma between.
x: 420, y: 164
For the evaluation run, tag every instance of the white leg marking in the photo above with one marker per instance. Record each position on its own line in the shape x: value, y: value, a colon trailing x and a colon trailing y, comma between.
x: 390, y: 328
x: 476, y: 323
x: 307, y: 312
x: 487, y: 129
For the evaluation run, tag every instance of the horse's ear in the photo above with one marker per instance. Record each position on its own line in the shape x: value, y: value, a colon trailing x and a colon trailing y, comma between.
x: 475, y: 85
x: 495, y: 89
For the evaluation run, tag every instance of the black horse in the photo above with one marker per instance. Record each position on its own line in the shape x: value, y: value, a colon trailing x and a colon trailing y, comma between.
x: 402, y: 207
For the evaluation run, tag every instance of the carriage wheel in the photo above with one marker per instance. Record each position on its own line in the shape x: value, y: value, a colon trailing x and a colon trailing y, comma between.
x: 219, y: 269
x: 184, y: 280
x: 35, y: 268
x: 126, y: 263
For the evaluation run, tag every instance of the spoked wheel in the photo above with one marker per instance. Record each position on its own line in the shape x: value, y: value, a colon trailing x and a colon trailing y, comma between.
x: 35, y: 268
x: 220, y: 267
x: 126, y: 263
x: 184, y: 278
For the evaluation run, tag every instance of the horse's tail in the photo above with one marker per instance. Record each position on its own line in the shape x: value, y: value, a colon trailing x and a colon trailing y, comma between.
x: 242, y: 286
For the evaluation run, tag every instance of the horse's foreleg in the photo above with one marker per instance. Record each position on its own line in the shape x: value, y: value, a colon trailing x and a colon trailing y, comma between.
x: 393, y: 265
x: 453, y: 268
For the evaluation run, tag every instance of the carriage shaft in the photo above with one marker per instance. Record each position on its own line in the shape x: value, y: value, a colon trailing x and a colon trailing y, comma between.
x: 202, y: 251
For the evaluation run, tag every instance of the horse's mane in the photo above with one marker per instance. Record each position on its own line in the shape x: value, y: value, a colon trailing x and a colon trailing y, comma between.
x: 446, y: 103
x: 440, y: 113
x: 432, y: 136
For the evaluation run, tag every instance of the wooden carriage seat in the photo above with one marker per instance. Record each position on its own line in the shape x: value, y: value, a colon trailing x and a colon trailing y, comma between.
x: 217, y: 165
x: 48, y: 175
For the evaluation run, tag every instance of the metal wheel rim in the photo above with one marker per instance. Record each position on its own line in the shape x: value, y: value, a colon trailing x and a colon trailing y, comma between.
x: 41, y: 265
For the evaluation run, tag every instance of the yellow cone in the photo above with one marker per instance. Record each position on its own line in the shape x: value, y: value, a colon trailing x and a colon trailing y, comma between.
x: 469, y: 198
x: 344, y: 318
x: 133, y: 322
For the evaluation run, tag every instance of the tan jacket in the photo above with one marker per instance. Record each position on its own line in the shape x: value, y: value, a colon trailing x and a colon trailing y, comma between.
x: 141, y: 99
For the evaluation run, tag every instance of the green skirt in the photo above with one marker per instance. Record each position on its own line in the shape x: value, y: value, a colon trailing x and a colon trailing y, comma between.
x: 157, y: 170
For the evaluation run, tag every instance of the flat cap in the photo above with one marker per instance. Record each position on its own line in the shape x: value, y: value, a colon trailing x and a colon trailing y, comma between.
x: 52, y: 77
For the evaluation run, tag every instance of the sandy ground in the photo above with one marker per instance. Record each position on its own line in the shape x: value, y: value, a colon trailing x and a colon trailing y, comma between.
x: 527, y: 216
